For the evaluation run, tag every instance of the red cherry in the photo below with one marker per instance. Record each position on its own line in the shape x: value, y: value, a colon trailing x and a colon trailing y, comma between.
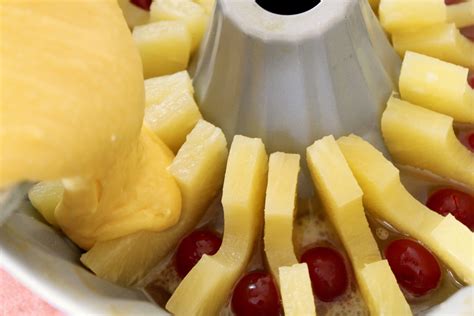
x: 470, y: 79
x: 144, y: 4
x: 327, y: 271
x: 457, y: 203
x: 468, y: 31
x: 256, y: 295
x: 415, y: 268
x: 449, y: 2
x: 193, y: 247
x: 467, y: 139
x: 470, y: 138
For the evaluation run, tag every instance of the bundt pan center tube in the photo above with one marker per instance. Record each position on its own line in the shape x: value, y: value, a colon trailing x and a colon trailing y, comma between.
x: 295, y: 75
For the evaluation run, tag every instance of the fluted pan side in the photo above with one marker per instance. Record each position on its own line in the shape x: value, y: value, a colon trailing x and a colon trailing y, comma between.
x: 293, y: 79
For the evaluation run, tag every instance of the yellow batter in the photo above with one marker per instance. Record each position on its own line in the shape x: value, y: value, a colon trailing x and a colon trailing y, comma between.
x: 72, y: 102
x: 72, y: 95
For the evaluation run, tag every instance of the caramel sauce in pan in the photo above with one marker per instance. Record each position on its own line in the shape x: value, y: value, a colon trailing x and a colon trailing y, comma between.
x: 311, y: 227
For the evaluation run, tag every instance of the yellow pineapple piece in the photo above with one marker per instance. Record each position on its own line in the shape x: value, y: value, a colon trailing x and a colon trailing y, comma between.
x: 45, y: 196
x: 137, y: 193
x: 342, y: 198
x: 242, y: 199
x: 385, y: 294
x: 278, y: 239
x: 199, y: 170
x: 296, y: 292
x: 437, y: 85
x: 443, y: 41
x: 444, y: 238
x: 208, y: 5
x: 425, y: 139
x: 280, y: 209
x: 186, y: 11
x: 164, y: 47
x: 462, y: 14
x: 386, y: 197
x: 398, y: 16
x: 173, y: 118
x: 408, y: 15
x: 158, y: 88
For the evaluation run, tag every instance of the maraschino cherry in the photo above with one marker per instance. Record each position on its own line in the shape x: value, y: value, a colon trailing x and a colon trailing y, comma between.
x: 144, y: 4
x: 256, y: 295
x: 470, y: 79
x: 459, y: 204
x: 414, y: 267
x: 468, y: 32
x: 327, y: 272
x: 193, y: 247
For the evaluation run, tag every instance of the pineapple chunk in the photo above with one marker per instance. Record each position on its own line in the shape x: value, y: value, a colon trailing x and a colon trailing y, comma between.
x: 185, y: 11
x: 408, y: 15
x: 442, y: 236
x: 158, y: 88
x: 199, y: 170
x: 443, y: 41
x: 398, y: 16
x: 173, y: 118
x: 385, y: 293
x: 208, y: 5
x: 280, y: 209
x: 296, y: 291
x: 45, y: 196
x: 279, y: 214
x: 387, y: 198
x: 425, y: 139
x: 206, y: 288
x: 342, y: 198
x: 438, y: 86
x: 164, y: 47
x: 462, y: 14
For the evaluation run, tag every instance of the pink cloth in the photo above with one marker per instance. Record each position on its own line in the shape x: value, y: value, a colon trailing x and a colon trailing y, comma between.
x: 15, y: 299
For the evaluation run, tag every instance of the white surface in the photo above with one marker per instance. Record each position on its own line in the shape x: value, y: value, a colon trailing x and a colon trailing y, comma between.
x: 460, y: 304
x: 49, y: 265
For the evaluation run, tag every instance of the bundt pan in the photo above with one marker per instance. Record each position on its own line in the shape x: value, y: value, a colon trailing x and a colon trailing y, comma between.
x: 327, y: 68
